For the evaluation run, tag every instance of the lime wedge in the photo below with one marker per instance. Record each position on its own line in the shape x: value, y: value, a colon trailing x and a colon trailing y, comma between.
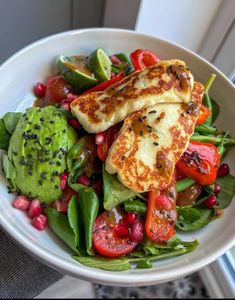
x: 74, y: 69
x: 100, y: 64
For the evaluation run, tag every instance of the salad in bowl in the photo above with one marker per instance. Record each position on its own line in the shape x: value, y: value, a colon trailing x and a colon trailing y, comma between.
x: 118, y: 155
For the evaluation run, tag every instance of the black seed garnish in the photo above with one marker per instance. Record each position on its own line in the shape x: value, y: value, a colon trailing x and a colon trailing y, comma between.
x: 55, y: 153
x: 58, y: 163
x: 60, y: 156
x: 123, y: 157
x: 52, y: 122
x: 40, y: 158
x: 161, y: 211
x: 63, y: 150
x: 46, y: 159
x: 26, y: 118
x: 153, y: 112
x: 56, y: 173
x: 37, y: 126
x: 156, y: 144
x: 23, y: 161
x: 141, y: 119
x: 149, y: 129
x: 29, y: 155
x: 42, y: 119
x: 43, y: 175
x: 56, y: 187
x: 64, y: 131
x: 48, y: 140
x: 30, y: 172
x: 15, y: 153
x: 40, y: 182
x: 51, y: 162
x: 24, y: 115
x: 141, y: 132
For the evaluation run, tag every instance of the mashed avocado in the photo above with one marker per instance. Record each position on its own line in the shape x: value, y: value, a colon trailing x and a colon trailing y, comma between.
x: 37, y: 151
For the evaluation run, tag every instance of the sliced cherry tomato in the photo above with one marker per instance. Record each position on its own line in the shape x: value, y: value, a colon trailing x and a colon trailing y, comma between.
x: 109, y: 137
x: 105, y: 239
x: 104, y: 85
x: 200, y: 161
x: 203, y: 115
x: 141, y: 59
x: 57, y: 89
x: 62, y: 204
x: 161, y: 214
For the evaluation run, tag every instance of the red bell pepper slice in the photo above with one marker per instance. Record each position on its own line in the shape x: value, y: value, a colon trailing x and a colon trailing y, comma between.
x: 141, y: 59
x: 161, y: 214
x: 104, y: 85
x: 200, y: 161
x: 110, y: 136
x: 203, y: 115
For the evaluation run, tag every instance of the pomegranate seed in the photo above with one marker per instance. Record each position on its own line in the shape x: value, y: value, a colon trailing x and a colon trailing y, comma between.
x: 100, y: 138
x: 129, y: 218
x: 115, y: 60
x: 223, y: 170
x: 65, y: 105
x: 39, y: 90
x: 40, y: 222
x: 75, y: 124
x: 35, y: 208
x: 21, y: 202
x: 163, y: 201
x: 83, y: 179
x: 210, y: 201
x: 217, y: 188
x: 121, y: 231
x: 63, y: 180
x: 137, y: 232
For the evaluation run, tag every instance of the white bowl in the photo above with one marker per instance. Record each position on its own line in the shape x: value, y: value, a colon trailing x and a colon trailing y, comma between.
x: 37, y: 61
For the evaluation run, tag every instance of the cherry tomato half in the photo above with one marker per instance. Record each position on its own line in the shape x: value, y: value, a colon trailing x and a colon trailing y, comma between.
x: 57, y: 89
x: 203, y: 115
x: 141, y: 59
x: 106, y: 241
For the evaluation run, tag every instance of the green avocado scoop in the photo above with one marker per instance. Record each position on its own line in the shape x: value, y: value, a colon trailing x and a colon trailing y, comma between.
x: 37, y: 151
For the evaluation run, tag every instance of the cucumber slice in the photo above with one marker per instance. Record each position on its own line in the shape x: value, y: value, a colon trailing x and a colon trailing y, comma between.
x: 100, y: 64
x: 74, y: 69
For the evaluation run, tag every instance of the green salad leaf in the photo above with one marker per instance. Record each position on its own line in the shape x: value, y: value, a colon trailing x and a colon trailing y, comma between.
x: 227, y: 185
x: 11, y: 119
x: 4, y: 136
x: 114, y: 192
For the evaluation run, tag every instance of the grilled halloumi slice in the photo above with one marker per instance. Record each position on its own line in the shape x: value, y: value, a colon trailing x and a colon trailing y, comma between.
x: 151, y: 141
x: 168, y: 81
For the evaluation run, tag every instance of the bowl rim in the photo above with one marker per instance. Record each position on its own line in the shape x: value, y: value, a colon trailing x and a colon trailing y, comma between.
x: 91, y: 274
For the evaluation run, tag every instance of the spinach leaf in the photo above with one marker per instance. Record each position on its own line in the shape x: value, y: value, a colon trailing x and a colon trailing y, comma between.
x: 59, y: 223
x: 149, y: 250
x: 189, y: 214
x: 9, y: 171
x: 136, y: 206
x: 215, y: 110
x: 114, y: 192
x: 75, y: 224
x: 110, y: 264
x: 227, y: 185
x: 144, y: 264
x: 11, y: 119
x: 4, y: 136
x: 88, y: 206
x: 206, y: 215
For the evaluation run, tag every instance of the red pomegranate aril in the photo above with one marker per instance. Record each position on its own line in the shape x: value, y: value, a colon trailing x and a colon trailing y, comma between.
x: 39, y: 90
x: 63, y: 180
x: 83, y: 179
x: 210, y: 201
x: 40, y: 222
x: 75, y: 124
x: 137, y: 232
x: 163, y: 202
x: 129, y: 218
x: 223, y: 170
x: 121, y: 231
x: 22, y: 203
x: 100, y: 138
x: 65, y: 105
x: 115, y: 60
x: 35, y: 208
x: 217, y: 188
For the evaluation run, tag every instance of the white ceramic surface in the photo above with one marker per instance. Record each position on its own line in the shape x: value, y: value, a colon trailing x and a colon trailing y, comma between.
x: 37, y: 61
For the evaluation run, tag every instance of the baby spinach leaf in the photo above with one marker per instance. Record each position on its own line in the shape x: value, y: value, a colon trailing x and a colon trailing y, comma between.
x: 4, y: 136
x: 59, y: 223
x: 109, y: 264
x: 206, y: 215
x: 189, y: 214
x: 75, y: 224
x: 144, y: 264
x: 114, y: 192
x: 88, y: 206
x: 215, y: 110
x: 227, y: 185
x: 11, y: 119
